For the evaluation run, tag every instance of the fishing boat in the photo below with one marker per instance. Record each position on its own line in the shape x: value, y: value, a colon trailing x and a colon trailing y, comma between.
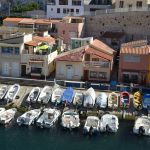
x: 113, y: 100
x: 142, y: 126
x: 89, y: 98
x: 56, y: 95
x: 34, y: 94
x: 7, y: 116
x: 67, y: 96
x: 45, y: 95
x: 78, y: 98
x: 3, y: 91
x: 124, y: 99
x: 48, y: 118
x: 70, y: 119
x: 109, y: 123
x: 101, y: 100
x: 137, y: 100
x: 146, y: 101
x: 92, y: 125
x: 2, y: 110
x: 12, y: 93
x: 29, y: 117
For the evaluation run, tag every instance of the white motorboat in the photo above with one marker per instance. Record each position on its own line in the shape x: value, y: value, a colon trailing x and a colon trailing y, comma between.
x: 45, y: 95
x: 3, y: 91
x: 7, y: 116
x: 109, y: 123
x: 34, y: 94
x: 12, y: 93
x: 101, y: 100
x: 78, y: 98
x: 92, y: 125
x: 142, y: 126
x: 29, y: 117
x: 48, y: 118
x: 113, y: 100
x: 89, y: 98
x: 56, y: 96
x: 70, y: 119
x: 2, y: 110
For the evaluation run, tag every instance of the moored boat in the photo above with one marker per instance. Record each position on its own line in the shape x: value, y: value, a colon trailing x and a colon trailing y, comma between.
x: 3, y: 91
x: 45, y: 95
x: 142, y: 126
x: 29, y: 117
x: 70, y: 119
x: 12, y: 93
x: 101, y: 100
x: 7, y: 116
x: 78, y: 98
x: 34, y: 94
x: 109, y: 123
x: 137, y: 100
x: 89, y: 98
x: 124, y: 99
x: 48, y: 118
x: 92, y: 125
x: 113, y: 100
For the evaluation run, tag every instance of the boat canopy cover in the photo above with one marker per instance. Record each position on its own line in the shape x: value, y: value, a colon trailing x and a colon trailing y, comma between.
x: 68, y: 95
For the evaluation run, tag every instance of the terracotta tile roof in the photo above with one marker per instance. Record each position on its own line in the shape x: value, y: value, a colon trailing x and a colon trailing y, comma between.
x: 75, y: 55
x: 138, y: 43
x: 135, y: 50
x: 102, y: 46
x: 46, y: 21
x: 44, y: 39
x: 32, y: 43
x: 116, y: 35
x: 27, y: 21
x: 13, y: 19
x: 98, y: 53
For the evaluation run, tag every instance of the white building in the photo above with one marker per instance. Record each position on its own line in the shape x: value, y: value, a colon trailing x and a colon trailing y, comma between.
x: 62, y: 8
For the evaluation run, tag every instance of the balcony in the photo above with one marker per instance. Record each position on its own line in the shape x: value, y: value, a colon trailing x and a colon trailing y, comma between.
x: 96, y: 64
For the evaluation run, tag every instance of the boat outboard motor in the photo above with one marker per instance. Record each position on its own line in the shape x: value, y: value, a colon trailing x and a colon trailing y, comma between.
x: 141, y: 130
x: 108, y: 129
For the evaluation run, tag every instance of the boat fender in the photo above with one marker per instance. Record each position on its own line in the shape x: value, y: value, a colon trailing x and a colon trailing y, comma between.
x: 141, y: 130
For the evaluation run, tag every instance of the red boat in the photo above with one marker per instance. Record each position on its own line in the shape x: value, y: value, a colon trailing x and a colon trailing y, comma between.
x: 124, y: 99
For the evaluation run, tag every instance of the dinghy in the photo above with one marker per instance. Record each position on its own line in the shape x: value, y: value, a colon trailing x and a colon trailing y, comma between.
x: 109, y: 123
x: 137, y: 100
x: 34, y: 94
x: 142, y: 126
x: 113, y: 100
x: 29, y: 117
x: 89, y: 98
x: 45, y: 95
x: 67, y: 96
x: 78, y: 98
x: 12, y: 93
x: 7, y: 116
x: 124, y: 99
x: 48, y: 118
x: 92, y: 125
x: 3, y: 91
x: 101, y: 100
x: 70, y: 119
x: 57, y: 93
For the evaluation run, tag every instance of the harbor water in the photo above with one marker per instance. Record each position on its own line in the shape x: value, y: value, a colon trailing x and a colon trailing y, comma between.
x: 14, y: 137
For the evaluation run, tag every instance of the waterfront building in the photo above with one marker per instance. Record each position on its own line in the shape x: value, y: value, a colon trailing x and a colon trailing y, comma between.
x: 134, y: 62
x: 93, y: 62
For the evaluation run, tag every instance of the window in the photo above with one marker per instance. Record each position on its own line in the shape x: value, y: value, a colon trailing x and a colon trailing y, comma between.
x: 51, y: 9
x: 131, y: 58
x: 77, y: 11
x: 76, y: 3
x: 64, y: 11
x: 139, y: 4
x: 58, y: 10
x: 7, y: 50
x: 63, y: 2
x: 36, y: 70
x: 63, y: 31
x: 98, y: 75
x: 72, y: 10
x: 17, y: 50
x: 95, y: 59
x: 126, y: 78
x: 121, y: 4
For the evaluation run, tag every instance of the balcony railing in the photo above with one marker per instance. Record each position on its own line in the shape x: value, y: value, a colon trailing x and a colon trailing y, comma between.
x: 99, y: 64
